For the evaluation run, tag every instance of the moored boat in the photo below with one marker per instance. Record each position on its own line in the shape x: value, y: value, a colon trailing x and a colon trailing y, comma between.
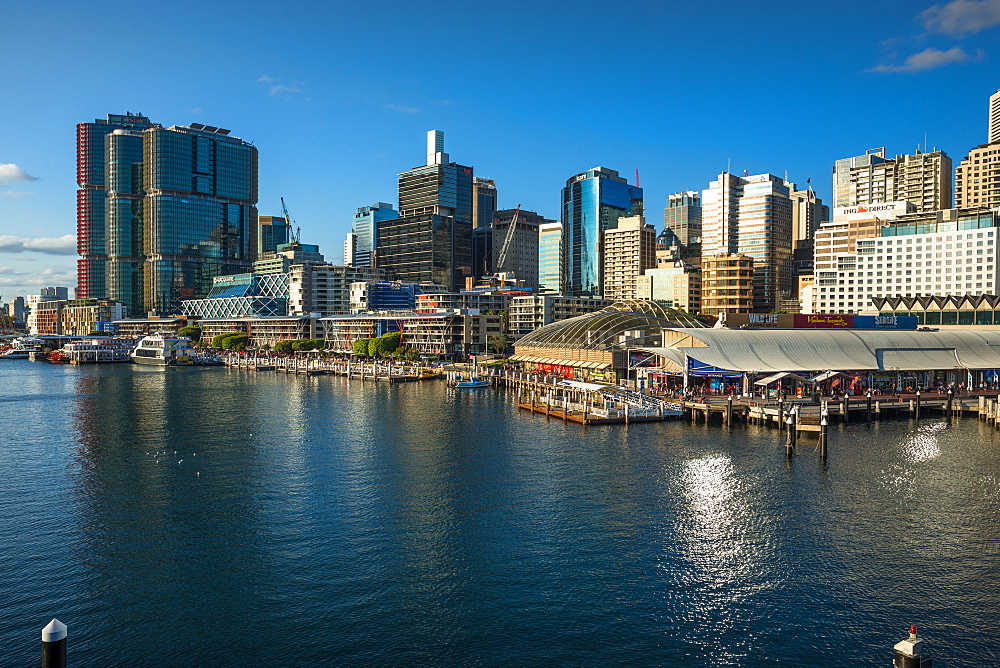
x: 165, y: 350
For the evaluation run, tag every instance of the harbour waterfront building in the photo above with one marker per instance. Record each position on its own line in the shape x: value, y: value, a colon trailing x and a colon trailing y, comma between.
x: 592, y: 202
x: 751, y: 216
x: 952, y: 312
x: 388, y: 295
x: 522, y: 253
x: 365, y: 231
x: 938, y: 253
x: 80, y: 317
x: 450, y: 335
x: 431, y: 240
x: 993, y: 129
x: 675, y: 284
x: 325, y: 289
x: 977, y: 177
x: 629, y: 249
x: 923, y: 179
x: 530, y: 312
x: 493, y: 300
x: 551, y: 257
x: 272, y: 231
x: 242, y: 296
x: 263, y: 331
x: 727, y: 284
x: 91, y: 196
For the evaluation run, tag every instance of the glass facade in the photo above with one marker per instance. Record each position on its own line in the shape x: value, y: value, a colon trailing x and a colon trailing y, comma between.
x: 272, y: 231
x: 551, y: 258
x: 365, y: 229
x: 592, y: 202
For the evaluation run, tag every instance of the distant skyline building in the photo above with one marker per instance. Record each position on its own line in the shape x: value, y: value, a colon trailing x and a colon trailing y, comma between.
x: 808, y: 211
x: 365, y: 230
x: 751, y: 216
x: 91, y: 197
x: 682, y: 216
x: 923, y: 178
x: 629, y: 249
x: 551, y: 257
x: 522, y: 253
x: 484, y: 202
x: 272, y: 231
x: 993, y: 127
x: 431, y: 240
x: 592, y: 202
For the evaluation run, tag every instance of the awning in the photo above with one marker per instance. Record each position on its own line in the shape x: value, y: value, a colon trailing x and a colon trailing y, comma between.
x: 777, y: 376
x: 592, y: 387
x: 826, y: 375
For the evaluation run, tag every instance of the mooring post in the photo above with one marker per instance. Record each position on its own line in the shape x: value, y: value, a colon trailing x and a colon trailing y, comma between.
x: 789, y: 438
x: 54, y: 645
x: 916, y: 410
x: 868, y: 410
x: 846, y: 410
x: 822, y: 438
x: 781, y: 408
x: 909, y: 652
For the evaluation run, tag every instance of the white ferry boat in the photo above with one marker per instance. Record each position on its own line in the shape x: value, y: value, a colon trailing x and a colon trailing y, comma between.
x: 21, y: 349
x: 165, y: 350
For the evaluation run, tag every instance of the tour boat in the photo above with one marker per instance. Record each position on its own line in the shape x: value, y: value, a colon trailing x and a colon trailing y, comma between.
x: 165, y: 350
x: 473, y: 382
x: 22, y: 348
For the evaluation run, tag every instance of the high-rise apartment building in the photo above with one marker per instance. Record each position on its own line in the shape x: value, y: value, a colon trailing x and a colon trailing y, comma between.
x: 592, y: 202
x: 365, y: 231
x: 484, y: 202
x: 993, y: 134
x: 551, y: 257
x: 977, y: 177
x: 752, y: 216
x: 682, y: 216
x: 91, y: 196
x: 431, y: 240
x: 629, y: 249
x: 727, y: 281
x: 923, y: 179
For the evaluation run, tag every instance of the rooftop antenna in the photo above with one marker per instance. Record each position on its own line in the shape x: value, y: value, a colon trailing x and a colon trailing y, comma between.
x: 637, y: 178
x: 729, y: 165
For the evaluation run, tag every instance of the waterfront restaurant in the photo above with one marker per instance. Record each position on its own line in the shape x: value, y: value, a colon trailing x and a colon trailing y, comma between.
x: 846, y: 360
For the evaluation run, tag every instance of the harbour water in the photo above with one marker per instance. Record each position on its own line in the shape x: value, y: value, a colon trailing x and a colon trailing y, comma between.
x: 208, y: 516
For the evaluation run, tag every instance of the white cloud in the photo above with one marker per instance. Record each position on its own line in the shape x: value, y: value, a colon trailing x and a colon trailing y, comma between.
x: 927, y: 59
x: 402, y: 109
x: 962, y: 17
x: 64, y: 245
x: 15, y: 193
x: 11, y: 173
x: 282, y: 88
x: 443, y: 103
x: 265, y: 79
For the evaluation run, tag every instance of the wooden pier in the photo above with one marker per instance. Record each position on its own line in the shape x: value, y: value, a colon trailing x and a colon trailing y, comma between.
x: 385, y: 372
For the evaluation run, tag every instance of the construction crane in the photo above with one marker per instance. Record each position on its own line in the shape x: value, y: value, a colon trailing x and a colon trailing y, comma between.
x: 289, y: 221
x: 502, y: 256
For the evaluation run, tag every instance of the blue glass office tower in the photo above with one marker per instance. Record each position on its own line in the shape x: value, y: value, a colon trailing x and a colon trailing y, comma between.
x: 365, y: 230
x: 591, y: 203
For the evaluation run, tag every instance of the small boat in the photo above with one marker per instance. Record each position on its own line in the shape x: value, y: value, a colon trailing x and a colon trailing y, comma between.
x: 165, y: 350
x: 472, y: 382
x: 22, y: 349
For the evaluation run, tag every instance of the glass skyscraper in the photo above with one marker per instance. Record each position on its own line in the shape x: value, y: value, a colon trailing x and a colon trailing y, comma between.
x: 592, y: 202
x: 365, y: 230
x: 161, y: 211
x: 91, y: 198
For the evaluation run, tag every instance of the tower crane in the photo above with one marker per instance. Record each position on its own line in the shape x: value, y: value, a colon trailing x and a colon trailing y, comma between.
x: 289, y: 221
x: 505, y: 249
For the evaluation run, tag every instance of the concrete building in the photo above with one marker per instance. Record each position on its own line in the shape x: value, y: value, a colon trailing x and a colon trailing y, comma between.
x: 808, y: 211
x: 528, y: 313
x: 431, y: 302
x: 451, y: 335
x: 388, y: 295
x: 281, y: 261
x: 522, y: 252
x: 923, y: 179
x: 629, y: 249
x: 751, y: 216
x: 80, y: 317
x: 937, y: 253
x: 551, y: 258
x: 682, y: 216
x: 727, y: 281
x: 675, y: 284
x: 263, y: 331
x: 977, y: 177
x: 325, y: 288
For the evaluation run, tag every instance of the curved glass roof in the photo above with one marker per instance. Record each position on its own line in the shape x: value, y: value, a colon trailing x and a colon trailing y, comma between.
x: 630, y: 321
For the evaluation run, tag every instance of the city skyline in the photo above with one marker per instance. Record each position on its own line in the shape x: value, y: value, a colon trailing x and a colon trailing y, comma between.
x: 336, y: 124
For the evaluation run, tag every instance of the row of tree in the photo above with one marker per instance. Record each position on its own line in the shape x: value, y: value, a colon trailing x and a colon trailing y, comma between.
x: 298, y: 345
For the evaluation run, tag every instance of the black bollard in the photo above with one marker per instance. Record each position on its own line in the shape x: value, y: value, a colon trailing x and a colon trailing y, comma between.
x: 951, y: 396
x: 909, y: 652
x: 790, y: 439
x: 916, y: 410
x: 54, y: 645
x: 822, y: 438
x: 845, y: 408
x: 868, y: 411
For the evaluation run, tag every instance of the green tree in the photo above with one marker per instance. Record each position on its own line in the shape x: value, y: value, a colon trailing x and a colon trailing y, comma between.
x: 298, y: 343
x: 218, y: 339
x: 381, y: 346
x: 193, y: 332
x: 283, y: 346
x: 497, y: 343
x: 360, y: 346
x: 235, y: 341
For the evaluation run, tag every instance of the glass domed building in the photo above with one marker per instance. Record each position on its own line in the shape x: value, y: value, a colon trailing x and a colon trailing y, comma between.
x: 596, y: 345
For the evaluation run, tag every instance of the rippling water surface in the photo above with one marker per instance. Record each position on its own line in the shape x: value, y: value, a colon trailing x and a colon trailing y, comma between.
x: 178, y: 517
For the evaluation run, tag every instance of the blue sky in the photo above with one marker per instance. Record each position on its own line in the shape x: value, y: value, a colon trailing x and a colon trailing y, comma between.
x: 338, y: 96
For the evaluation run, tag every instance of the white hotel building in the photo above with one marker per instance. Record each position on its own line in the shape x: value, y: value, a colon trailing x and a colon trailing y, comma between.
x: 886, y: 250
